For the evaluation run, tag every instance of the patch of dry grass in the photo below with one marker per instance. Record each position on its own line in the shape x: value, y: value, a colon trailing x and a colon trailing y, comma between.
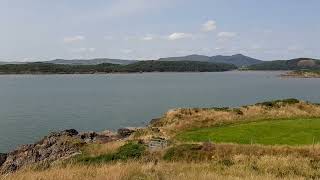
x: 265, y: 167
x: 100, y: 149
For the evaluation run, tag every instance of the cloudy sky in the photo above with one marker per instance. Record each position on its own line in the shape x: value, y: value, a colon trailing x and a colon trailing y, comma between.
x: 149, y: 29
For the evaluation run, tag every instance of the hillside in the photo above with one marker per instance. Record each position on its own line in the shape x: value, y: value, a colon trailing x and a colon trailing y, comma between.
x: 90, y: 61
x: 177, y: 66
x: 293, y: 64
x: 141, y: 66
x: 238, y: 60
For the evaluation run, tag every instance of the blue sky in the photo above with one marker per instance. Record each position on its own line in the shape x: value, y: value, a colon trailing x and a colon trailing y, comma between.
x: 149, y: 29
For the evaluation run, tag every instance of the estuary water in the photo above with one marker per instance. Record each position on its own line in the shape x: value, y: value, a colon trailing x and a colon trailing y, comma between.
x: 31, y: 106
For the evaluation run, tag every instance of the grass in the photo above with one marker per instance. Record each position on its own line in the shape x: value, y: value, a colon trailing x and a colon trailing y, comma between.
x: 131, y: 150
x: 241, y: 167
x: 289, y: 132
x: 178, y: 120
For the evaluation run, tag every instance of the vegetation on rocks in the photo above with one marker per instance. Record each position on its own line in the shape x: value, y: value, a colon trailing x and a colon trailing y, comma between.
x: 302, y: 74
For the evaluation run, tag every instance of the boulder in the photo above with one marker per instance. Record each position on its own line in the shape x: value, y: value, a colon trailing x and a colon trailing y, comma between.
x: 88, y: 136
x: 154, y: 121
x: 107, y: 133
x: 3, y: 158
x: 125, y: 132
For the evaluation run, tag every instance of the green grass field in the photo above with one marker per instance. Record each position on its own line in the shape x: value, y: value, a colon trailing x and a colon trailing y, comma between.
x: 290, y: 132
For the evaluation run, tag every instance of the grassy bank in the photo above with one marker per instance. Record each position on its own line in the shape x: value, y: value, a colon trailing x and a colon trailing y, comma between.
x: 245, y: 168
x: 290, y: 132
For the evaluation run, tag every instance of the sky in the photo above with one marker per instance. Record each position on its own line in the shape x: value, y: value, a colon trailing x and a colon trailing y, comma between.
x: 36, y: 30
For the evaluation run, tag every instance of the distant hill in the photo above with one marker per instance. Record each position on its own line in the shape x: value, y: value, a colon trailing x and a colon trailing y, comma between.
x: 76, y: 61
x: 238, y: 60
x: 178, y: 66
x: 90, y: 61
x: 293, y: 64
x: 141, y: 66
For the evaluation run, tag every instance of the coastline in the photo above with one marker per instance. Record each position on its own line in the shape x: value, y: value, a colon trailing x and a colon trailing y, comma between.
x: 158, y: 146
x: 300, y: 74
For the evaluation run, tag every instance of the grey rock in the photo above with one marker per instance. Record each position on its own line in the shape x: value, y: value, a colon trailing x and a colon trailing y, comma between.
x: 154, y: 121
x: 3, y: 158
x: 125, y: 132
x: 51, y: 148
x: 88, y: 136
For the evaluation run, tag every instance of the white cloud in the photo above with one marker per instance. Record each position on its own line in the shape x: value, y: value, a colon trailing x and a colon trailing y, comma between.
x: 148, y: 37
x: 209, y: 26
x: 83, y: 50
x: 227, y: 34
x: 177, y: 36
x: 127, y: 51
x: 73, y: 39
x: 108, y: 37
x: 91, y: 49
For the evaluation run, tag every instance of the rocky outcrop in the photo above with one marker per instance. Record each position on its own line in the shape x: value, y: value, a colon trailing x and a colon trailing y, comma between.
x: 56, y: 146
x: 3, y: 158
x: 101, y: 137
x: 125, y: 132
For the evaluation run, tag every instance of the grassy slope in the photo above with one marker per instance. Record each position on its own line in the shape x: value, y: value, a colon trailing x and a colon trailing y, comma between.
x: 290, y: 132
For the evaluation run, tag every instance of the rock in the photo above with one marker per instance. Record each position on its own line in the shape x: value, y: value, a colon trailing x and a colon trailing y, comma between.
x: 157, y: 143
x: 3, y: 158
x: 106, y: 136
x: 88, y: 136
x: 154, y: 121
x: 107, y: 133
x: 155, y: 130
x: 56, y: 146
x: 70, y: 132
x: 125, y: 132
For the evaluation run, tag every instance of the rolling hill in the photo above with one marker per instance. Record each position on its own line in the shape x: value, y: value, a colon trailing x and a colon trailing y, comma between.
x: 293, y: 64
x: 238, y: 60
x: 91, y: 61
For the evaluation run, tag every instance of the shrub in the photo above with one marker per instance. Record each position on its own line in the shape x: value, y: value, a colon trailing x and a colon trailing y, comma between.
x: 131, y: 150
x: 279, y: 103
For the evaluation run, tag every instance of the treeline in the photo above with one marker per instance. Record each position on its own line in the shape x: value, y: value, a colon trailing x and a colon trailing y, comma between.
x: 141, y: 66
x: 294, y: 64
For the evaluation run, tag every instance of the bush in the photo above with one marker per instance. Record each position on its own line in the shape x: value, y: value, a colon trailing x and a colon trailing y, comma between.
x: 131, y: 150
x: 279, y: 103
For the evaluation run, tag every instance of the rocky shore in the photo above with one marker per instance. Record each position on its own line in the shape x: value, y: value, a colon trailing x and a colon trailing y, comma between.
x: 301, y: 74
x: 55, y: 147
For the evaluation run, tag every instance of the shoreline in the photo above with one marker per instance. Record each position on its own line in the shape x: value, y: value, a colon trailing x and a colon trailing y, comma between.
x: 158, y: 139
x: 301, y: 74
x: 155, y: 72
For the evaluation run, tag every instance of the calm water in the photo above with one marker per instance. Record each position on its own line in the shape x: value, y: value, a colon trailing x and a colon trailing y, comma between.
x: 33, y: 105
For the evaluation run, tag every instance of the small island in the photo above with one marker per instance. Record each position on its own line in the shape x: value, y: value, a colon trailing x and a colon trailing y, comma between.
x: 302, y: 74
